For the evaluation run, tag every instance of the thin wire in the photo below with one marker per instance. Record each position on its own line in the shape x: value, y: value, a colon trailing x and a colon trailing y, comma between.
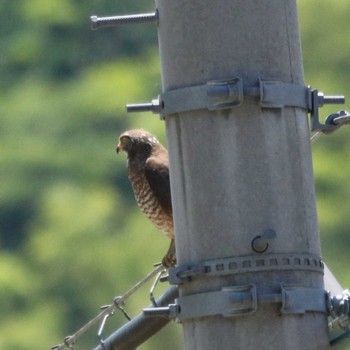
x: 139, y: 284
x: 117, y: 302
x: 314, y: 137
x: 153, y: 287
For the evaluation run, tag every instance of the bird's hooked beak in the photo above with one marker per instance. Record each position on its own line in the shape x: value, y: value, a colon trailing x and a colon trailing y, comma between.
x: 119, y: 147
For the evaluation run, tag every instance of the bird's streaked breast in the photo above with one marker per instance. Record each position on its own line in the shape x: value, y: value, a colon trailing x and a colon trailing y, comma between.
x: 148, y: 203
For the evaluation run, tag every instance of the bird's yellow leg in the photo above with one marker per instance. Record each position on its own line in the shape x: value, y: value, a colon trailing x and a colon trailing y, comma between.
x: 169, y: 259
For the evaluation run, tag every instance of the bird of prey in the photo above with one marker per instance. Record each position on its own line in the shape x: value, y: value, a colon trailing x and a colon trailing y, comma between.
x: 148, y: 171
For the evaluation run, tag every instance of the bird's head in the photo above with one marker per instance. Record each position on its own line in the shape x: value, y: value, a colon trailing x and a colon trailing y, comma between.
x: 136, y: 142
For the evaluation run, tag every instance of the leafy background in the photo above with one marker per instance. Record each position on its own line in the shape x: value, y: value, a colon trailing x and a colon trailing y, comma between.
x: 71, y: 237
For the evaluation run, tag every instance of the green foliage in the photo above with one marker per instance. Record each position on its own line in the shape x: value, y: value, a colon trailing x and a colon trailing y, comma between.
x: 326, y: 61
x: 70, y: 235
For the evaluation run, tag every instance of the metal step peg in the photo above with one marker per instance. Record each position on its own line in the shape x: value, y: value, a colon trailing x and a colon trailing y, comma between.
x: 112, y: 21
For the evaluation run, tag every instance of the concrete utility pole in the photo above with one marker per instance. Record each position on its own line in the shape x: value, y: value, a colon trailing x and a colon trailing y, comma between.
x: 241, y: 168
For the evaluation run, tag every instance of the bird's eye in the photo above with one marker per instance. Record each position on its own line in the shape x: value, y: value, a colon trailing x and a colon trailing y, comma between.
x: 125, y: 140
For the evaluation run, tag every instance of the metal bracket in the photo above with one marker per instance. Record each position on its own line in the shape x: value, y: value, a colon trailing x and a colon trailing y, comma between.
x: 318, y: 100
x: 227, y: 94
x: 229, y: 302
x: 243, y: 300
x: 214, y: 95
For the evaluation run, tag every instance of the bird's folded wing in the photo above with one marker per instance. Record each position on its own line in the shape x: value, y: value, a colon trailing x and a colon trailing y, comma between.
x: 157, y: 175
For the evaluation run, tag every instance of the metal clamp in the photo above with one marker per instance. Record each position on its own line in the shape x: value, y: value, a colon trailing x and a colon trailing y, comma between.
x: 229, y: 302
x: 230, y: 93
x: 214, y: 95
x: 245, y: 264
x: 243, y: 300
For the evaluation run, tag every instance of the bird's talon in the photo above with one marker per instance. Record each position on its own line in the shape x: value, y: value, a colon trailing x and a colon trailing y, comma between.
x: 169, y: 260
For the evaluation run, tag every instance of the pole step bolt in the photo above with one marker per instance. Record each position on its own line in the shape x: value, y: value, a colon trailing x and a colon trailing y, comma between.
x: 99, y: 22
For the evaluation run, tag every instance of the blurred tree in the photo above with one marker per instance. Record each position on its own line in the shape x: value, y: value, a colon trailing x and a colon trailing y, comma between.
x: 53, y: 39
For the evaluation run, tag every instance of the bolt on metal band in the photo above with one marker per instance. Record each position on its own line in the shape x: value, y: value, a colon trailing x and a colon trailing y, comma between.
x: 244, y: 300
x: 230, y: 93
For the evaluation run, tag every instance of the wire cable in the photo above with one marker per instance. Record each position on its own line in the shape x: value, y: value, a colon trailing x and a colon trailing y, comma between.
x: 118, y: 301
